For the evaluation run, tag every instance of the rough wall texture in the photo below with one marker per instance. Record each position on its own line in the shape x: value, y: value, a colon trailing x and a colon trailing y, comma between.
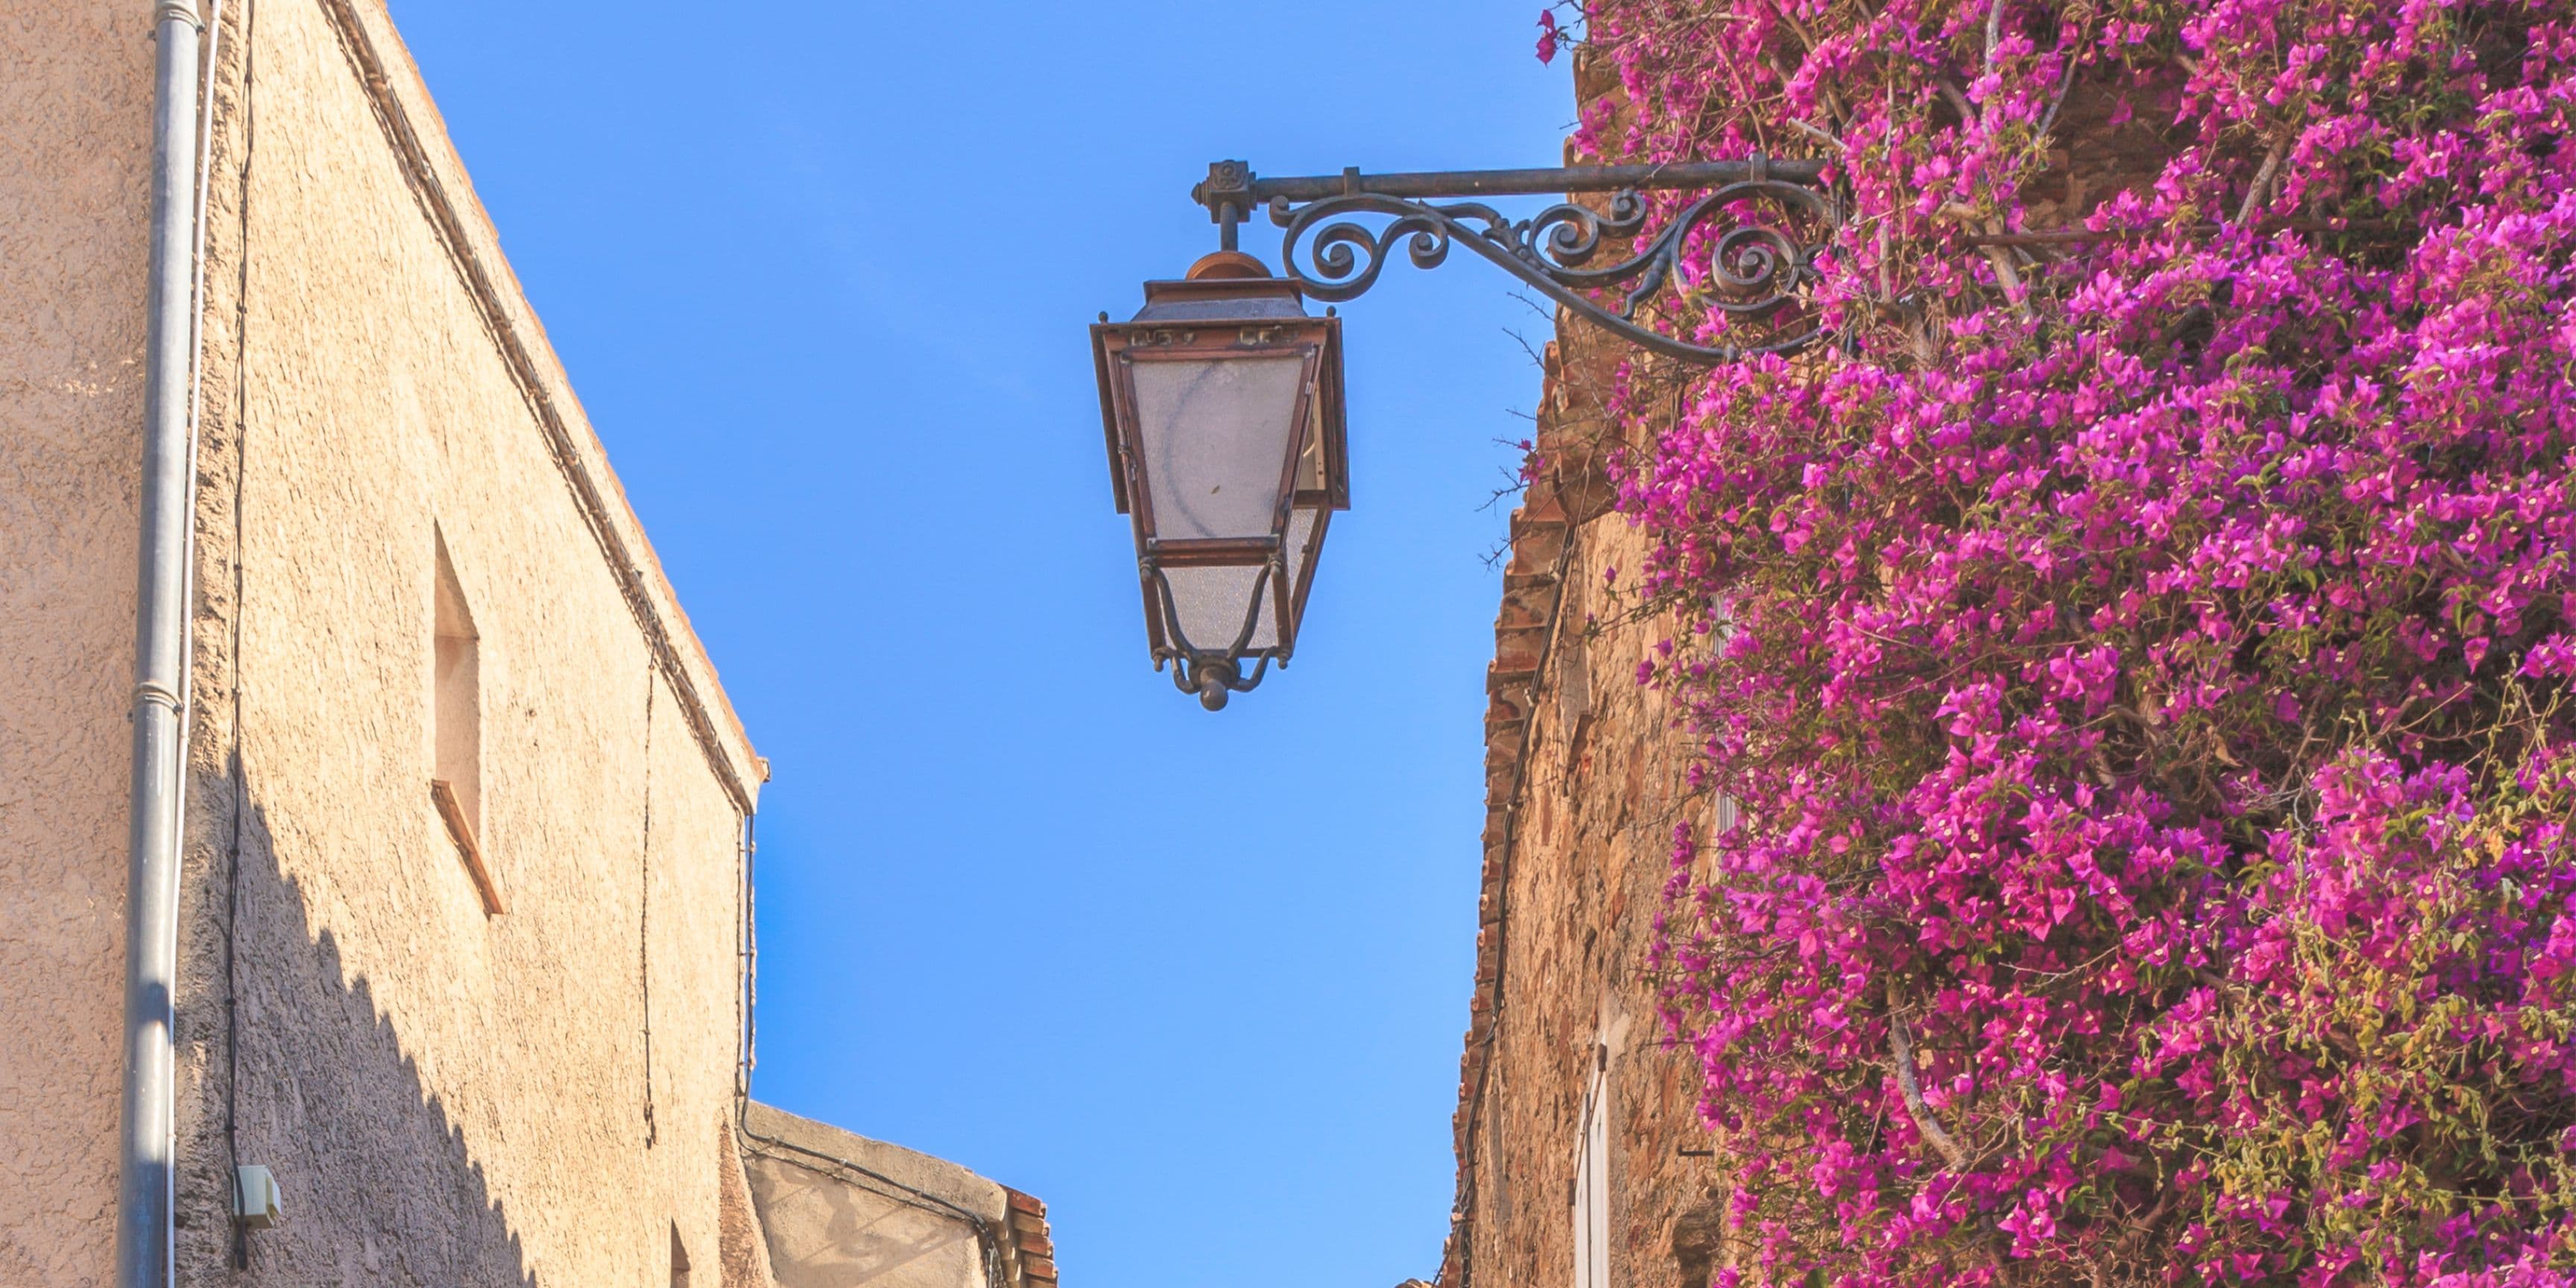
x: 1584, y: 791
x: 841, y: 1211
x: 1585, y: 788
x: 447, y: 1097
x: 75, y: 133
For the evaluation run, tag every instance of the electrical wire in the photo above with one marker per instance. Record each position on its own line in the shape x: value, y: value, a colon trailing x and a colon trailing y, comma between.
x: 240, y: 1251
x: 644, y: 919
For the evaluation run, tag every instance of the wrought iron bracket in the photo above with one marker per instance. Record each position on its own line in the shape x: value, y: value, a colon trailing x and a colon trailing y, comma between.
x: 1758, y: 270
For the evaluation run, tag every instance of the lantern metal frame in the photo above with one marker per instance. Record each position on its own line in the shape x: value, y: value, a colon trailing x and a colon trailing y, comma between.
x: 1225, y: 312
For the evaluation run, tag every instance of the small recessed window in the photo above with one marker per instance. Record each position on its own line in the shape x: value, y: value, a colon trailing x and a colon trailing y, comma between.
x: 679, y: 1259
x: 456, y: 719
x: 1591, y: 1189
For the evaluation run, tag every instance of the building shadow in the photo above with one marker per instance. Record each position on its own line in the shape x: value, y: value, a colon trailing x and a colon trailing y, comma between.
x: 380, y: 1187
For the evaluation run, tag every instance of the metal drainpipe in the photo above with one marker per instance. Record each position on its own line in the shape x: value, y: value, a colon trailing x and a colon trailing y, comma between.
x: 145, y: 1144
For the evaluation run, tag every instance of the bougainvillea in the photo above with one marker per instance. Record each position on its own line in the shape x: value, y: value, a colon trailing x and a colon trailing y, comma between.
x: 2140, y: 649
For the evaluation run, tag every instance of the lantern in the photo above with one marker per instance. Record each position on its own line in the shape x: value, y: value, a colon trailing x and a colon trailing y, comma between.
x: 1222, y: 402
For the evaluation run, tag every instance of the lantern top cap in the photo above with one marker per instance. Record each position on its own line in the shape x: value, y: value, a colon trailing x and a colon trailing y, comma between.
x: 1222, y: 299
x: 1227, y: 264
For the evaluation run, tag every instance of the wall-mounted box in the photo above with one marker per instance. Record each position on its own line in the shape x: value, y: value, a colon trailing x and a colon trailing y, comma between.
x: 257, y: 1202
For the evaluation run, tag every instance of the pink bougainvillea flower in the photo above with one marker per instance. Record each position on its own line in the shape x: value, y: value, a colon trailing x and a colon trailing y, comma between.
x: 2140, y: 657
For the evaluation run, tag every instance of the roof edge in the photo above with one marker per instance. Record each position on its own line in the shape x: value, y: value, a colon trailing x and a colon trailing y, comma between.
x: 925, y: 1174
x: 1019, y: 1245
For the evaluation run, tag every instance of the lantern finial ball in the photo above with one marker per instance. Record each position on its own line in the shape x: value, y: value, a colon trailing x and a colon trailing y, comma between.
x: 1216, y: 677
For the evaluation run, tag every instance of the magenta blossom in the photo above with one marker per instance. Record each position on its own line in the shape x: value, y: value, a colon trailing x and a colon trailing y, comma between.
x: 2141, y: 651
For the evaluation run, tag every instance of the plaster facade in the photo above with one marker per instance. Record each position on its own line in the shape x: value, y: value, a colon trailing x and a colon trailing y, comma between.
x: 842, y: 1211
x: 75, y: 96
x: 496, y: 1041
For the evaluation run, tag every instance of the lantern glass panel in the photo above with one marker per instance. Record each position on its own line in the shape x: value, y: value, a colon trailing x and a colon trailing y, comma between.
x: 1210, y: 602
x: 1216, y: 434
x: 1301, y: 534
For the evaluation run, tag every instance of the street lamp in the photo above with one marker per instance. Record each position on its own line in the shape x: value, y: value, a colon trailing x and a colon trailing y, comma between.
x: 1222, y: 397
x: 1222, y: 400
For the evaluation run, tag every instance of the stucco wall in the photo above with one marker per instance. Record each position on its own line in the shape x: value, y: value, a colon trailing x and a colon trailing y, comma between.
x: 75, y: 133
x: 446, y: 1096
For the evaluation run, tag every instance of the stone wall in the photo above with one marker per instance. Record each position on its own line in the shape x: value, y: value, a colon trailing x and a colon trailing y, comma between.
x: 1585, y: 789
x: 1586, y: 786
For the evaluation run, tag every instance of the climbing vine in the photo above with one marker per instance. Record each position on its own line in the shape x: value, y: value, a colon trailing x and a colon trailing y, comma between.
x: 2140, y: 650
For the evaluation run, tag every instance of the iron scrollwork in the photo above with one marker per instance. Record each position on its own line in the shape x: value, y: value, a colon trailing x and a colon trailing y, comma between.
x: 1760, y: 269
x: 1212, y: 674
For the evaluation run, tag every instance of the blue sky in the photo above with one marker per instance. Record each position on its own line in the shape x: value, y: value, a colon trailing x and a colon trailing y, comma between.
x: 821, y: 275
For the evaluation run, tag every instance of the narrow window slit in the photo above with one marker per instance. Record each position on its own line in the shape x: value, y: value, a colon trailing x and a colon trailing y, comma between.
x: 456, y: 702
